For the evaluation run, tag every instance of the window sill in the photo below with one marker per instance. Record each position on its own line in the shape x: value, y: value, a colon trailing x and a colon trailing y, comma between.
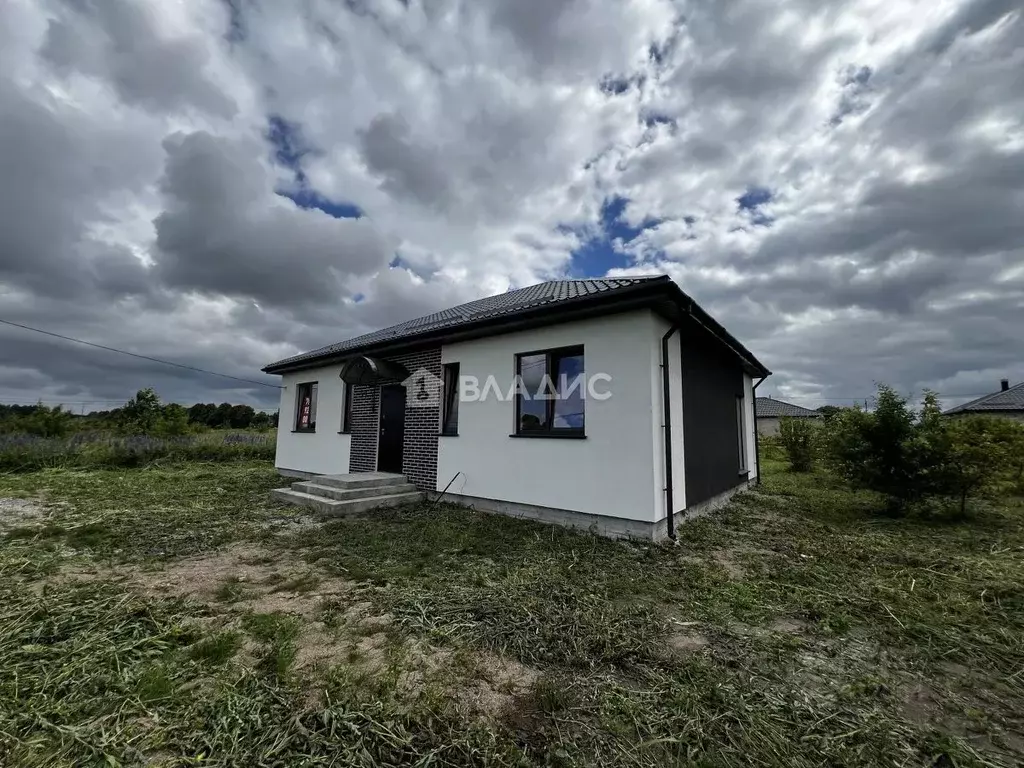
x: 447, y: 434
x: 344, y: 431
x: 551, y: 435
x: 303, y: 431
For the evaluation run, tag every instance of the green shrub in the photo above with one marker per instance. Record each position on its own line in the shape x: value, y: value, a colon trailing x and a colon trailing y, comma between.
x: 173, y: 421
x: 972, y: 454
x: 38, y: 420
x: 798, y: 438
x: 876, y: 450
x: 910, y: 457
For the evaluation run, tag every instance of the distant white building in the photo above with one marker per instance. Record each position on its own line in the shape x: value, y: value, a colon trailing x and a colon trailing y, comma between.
x: 770, y: 412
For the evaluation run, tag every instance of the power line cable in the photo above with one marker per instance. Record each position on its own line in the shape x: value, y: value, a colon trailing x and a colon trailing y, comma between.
x: 141, y: 357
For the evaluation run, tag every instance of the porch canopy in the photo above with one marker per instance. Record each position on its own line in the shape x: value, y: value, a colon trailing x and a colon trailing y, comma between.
x: 372, y: 370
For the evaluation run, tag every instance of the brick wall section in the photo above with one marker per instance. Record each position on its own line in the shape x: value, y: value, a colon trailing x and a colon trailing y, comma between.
x: 363, y: 448
x: 422, y: 424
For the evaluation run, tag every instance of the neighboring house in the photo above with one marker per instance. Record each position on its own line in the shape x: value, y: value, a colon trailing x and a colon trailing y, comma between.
x: 1007, y: 402
x: 665, y: 421
x: 770, y: 412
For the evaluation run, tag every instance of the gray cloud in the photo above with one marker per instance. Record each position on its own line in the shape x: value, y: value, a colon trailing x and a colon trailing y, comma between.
x: 406, y: 168
x: 52, y: 187
x: 225, y: 231
x: 119, y: 40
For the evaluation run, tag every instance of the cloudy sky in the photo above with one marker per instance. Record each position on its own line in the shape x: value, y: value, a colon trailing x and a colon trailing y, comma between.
x: 223, y: 183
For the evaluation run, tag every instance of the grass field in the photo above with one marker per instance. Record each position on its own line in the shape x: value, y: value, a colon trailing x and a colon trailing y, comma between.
x: 174, y: 616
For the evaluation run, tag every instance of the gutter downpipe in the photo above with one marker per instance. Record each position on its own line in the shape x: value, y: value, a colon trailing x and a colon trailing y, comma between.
x: 757, y: 443
x: 666, y: 397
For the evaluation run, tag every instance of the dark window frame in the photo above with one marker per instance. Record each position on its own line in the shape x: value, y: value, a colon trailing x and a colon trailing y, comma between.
x: 552, y: 356
x: 450, y: 373
x: 348, y: 396
x: 299, y: 388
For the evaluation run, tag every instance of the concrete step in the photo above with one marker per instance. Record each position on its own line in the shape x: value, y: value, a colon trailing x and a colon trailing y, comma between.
x: 361, y: 480
x: 340, y: 494
x: 336, y: 507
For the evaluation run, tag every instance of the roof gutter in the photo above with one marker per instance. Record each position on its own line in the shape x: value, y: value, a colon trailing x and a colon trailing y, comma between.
x: 666, y: 399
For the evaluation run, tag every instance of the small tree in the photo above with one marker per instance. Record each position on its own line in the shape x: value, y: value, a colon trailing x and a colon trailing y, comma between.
x: 972, y: 453
x: 876, y: 450
x: 828, y: 411
x: 798, y: 437
x: 173, y: 421
x: 142, y: 413
x: 261, y: 421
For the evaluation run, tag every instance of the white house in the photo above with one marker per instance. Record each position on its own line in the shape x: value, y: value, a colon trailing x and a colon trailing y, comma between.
x: 603, y: 404
x: 771, y: 412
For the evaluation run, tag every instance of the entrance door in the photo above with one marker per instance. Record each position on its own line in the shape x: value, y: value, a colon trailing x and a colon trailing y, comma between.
x: 392, y: 428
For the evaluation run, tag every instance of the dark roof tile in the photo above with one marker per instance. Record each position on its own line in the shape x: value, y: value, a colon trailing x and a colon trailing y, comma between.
x: 769, y: 407
x: 508, y: 303
x: 1010, y: 400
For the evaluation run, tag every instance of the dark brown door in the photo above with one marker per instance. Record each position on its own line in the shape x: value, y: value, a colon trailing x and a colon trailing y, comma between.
x: 392, y: 428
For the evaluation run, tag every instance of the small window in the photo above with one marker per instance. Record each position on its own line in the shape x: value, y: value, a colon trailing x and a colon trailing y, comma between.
x: 741, y: 425
x: 305, y: 412
x: 549, y: 400
x: 450, y: 411
x: 346, y: 409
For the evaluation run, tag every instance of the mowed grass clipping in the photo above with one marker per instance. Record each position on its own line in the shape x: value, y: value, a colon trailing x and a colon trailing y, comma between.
x: 796, y: 627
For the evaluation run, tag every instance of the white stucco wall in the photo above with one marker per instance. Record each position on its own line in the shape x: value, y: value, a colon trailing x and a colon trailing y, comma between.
x: 610, y: 472
x: 321, y: 452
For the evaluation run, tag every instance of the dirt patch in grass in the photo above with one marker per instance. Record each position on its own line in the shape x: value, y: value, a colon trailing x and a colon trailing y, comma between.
x: 241, y: 576
x: 286, y: 525
x: 790, y: 626
x: 726, y: 560
x: 687, y: 642
x: 730, y: 559
x: 496, y: 684
x: 331, y: 627
x: 921, y: 705
x: 21, y: 513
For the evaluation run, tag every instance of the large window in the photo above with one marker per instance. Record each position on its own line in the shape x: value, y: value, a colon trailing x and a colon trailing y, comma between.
x: 741, y: 426
x: 551, y: 393
x: 346, y: 409
x: 305, y: 410
x: 450, y: 409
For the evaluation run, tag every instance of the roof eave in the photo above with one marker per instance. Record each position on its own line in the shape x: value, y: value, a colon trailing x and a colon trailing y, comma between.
x: 1011, y: 409
x: 491, y: 325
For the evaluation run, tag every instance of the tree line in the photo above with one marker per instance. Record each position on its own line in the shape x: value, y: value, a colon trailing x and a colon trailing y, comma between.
x: 144, y: 413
